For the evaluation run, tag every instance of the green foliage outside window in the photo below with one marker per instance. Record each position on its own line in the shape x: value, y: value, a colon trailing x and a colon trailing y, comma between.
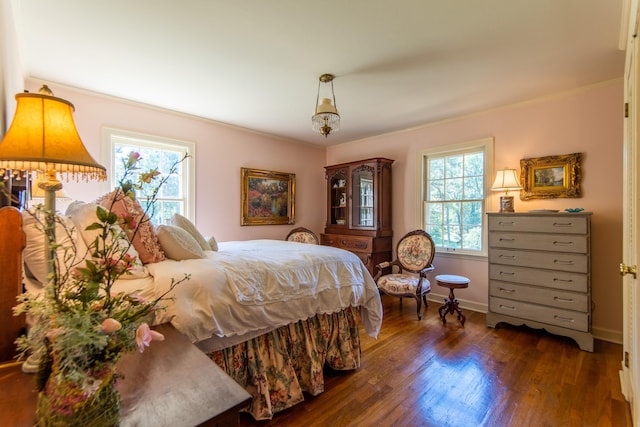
x: 454, y: 203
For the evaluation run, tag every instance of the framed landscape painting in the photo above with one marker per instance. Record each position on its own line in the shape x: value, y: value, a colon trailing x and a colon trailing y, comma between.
x: 267, y: 197
x: 551, y: 177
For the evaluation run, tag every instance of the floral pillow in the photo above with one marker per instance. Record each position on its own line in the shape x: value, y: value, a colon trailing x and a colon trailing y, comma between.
x: 146, y: 240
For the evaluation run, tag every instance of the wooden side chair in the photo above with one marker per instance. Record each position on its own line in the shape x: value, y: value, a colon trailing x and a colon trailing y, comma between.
x: 414, y: 257
x: 303, y: 235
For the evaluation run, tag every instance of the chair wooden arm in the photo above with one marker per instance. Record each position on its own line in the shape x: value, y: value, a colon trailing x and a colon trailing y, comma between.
x: 380, y: 267
x: 426, y: 270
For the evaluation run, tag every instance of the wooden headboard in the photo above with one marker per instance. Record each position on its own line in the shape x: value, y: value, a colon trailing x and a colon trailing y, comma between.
x: 12, y: 242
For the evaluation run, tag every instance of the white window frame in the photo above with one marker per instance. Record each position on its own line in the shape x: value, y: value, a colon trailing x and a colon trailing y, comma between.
x: 111, y: 136
x: 486, y: 145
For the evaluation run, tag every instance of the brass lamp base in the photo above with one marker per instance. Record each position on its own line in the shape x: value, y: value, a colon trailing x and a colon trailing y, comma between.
x: 506, y: 204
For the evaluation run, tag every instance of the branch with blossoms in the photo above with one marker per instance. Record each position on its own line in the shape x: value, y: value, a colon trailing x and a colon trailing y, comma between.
x: 82, y: 324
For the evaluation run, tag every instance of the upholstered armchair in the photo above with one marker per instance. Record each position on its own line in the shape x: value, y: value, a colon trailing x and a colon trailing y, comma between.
x: 303, y: 235
x: 414, y: 257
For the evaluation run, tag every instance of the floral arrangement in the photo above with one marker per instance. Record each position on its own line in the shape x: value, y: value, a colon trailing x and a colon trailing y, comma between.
x: 82, y: 326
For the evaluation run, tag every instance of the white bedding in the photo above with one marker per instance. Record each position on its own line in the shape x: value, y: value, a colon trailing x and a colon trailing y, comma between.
x: 247, y: 288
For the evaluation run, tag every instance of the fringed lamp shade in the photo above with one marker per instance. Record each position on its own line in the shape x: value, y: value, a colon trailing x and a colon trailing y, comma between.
x: 43, y: 138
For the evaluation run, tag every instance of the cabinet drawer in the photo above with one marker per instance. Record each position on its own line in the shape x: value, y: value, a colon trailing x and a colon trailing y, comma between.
x: 552, y: 316
x: 350, y: 243
x: 576, y: 282
x: 576, y: 263
x: 545, y: 242
x: 543, y: 296
x: 564, y: 224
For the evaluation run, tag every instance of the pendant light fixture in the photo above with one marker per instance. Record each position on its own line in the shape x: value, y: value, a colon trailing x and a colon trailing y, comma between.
x: 326, y: 118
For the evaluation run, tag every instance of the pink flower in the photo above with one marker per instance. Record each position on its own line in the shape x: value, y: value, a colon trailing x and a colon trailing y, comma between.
x: 139, y: 299
x: 144, y: 336
x: 133, y: 158
x: 110, y: 325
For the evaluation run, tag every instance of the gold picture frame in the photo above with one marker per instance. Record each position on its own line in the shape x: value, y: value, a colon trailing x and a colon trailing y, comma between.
x: 267, y: 197
x: 551, y: 177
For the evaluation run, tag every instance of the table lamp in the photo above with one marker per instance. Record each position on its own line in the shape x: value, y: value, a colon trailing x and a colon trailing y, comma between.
x: 43, y: 138
x: 506, y: 180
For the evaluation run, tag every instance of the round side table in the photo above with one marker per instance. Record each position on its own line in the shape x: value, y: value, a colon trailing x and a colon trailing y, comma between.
x: 451, y: 304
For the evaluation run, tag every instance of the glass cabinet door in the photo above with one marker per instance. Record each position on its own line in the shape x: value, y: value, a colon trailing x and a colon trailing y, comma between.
x: 338, y: 200
x: 362, y: 214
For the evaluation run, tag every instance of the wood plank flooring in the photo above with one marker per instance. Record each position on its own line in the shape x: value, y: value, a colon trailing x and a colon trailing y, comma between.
x: 421, y: 373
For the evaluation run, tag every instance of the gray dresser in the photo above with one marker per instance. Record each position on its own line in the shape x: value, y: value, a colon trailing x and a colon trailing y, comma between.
x: 540, y: 273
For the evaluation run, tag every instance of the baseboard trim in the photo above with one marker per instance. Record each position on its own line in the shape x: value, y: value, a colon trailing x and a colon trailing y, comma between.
x: 598, y: 333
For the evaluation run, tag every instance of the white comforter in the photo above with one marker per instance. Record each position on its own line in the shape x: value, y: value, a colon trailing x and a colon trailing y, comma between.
x: 249, y: 287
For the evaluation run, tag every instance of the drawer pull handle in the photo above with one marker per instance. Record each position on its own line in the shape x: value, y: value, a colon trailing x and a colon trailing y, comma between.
x: 507, y: 273
x: 555, y: 279
x: 344, y: 242
x: 509, y: 291
x: 505, y: 222
x: 563, y: 243
x: 562, y: 224
x: 507, y: 239
x: 563, y: 261
x: 564, y: 319
x: 508, y: 307
x: 507, y: 256
x: 360, y: 245
x: 563, y: 299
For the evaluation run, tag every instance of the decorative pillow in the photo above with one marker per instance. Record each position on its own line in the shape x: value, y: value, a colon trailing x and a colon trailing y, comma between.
x: 33, y: 254
x: 83, y: 215
x: 190, y: 228
x: 178, y: 244
x: 146, y: 240
x: 212, y: 242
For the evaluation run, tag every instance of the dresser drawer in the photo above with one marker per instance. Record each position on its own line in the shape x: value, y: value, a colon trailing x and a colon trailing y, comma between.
x: 576, y: 282
x: 552, y: 316
x: 544, y: 296
x: 576, y: 263
x: 350, y: 243
x: 544, y: 242
x: 564, y: 224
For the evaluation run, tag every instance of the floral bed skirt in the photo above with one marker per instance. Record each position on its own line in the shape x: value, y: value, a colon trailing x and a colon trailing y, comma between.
x: 278, y: 366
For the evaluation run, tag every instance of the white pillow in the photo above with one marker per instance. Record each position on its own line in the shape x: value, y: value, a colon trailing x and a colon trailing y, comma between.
x: 83, y: 215
x: 213, y: 243
x: 190, y: 228
x: 178, y: 244
x: 33, y: 253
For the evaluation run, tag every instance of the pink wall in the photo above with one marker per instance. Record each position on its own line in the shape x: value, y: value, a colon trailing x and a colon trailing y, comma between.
x: 221, y: 151
x: 588, y: 121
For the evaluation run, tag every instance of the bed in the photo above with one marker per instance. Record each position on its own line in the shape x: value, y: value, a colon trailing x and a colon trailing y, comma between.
x: 272, y: 314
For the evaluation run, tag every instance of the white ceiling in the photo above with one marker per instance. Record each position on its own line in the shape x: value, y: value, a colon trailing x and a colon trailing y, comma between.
x: 256, y: 63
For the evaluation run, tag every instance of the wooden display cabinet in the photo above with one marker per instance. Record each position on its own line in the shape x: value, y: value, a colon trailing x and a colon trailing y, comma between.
x: 359, y: 209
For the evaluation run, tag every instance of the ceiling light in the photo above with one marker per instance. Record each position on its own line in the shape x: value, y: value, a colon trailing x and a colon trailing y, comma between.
x: 326, y: 118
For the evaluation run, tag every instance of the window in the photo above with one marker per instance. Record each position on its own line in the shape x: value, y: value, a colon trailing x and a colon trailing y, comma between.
x: 456, y: 182
x: 177, y: 195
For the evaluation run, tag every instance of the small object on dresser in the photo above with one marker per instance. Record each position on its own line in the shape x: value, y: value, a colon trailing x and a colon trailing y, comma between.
x: 574, y: 210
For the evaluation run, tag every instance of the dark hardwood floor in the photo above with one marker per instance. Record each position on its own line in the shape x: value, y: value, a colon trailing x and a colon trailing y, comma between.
x: 421, y: 373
